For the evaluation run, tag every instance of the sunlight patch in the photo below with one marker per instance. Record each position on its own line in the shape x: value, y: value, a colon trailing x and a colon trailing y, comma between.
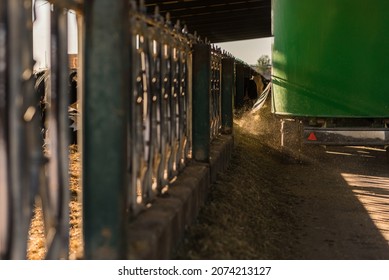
x: 338, y: 153
x: 367, y: 181
x: 373, y: 193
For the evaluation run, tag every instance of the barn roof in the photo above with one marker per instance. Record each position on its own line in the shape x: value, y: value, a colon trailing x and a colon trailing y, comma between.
x: 219, y: 20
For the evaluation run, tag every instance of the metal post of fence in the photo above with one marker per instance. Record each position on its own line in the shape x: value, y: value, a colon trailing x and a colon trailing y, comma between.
x: 201, y: 91
x: 228, y: 90
x: 239, y: 97
x: 22, y: 147
x: 105, y: 128
x: 247, y: 76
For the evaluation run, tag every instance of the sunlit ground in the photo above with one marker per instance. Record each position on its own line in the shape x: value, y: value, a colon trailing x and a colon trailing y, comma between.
x: 371, y: 191
x: 36, y: 248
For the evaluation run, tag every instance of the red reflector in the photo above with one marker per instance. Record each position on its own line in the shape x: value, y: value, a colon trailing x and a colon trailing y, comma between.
x: 312, y: 137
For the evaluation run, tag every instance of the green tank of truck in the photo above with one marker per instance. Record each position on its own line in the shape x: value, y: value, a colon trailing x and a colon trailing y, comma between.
x: 330, y: 67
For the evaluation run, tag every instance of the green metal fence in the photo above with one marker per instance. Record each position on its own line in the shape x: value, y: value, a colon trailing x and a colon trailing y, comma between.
x: 152, y: 99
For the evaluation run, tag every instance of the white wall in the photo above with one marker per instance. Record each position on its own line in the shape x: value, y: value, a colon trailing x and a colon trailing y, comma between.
x: 41, y: 34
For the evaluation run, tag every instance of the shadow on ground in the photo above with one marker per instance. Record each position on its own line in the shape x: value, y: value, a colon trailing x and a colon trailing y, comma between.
x: 268, y: 206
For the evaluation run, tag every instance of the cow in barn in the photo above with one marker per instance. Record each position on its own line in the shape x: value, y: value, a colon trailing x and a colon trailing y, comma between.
x: 73, y: 106
x: 260, y: 83
x: 41, y: 77
x: 263, y: 89
x: 254, y: 88
x: 40, y: 89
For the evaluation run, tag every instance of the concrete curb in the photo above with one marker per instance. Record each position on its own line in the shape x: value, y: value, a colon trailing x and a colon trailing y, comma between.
x: 156, y: 232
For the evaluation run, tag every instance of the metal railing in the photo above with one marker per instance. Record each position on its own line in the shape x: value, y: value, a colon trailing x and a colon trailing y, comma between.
x: 159, y: 103
x: 31, y: 174
x: 215, y: 94
x: 139, y: 108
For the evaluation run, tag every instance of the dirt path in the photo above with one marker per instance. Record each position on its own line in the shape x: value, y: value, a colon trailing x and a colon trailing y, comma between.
x: 343, y: 208
x: 267, y: 206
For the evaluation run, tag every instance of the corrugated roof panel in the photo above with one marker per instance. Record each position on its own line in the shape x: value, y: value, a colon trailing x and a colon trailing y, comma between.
x: 220, y: 20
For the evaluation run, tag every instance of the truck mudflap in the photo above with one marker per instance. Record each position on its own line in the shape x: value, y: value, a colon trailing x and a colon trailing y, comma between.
x: 346, y: 136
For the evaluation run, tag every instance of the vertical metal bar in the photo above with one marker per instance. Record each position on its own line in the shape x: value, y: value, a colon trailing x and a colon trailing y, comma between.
x: 215, y: 103
x: 80, y: 76
x: 218, y: 91
x: 174, y: 104
x: 165, y: 107
x: 154, y: 56
x: 144, y: 121
x: 201, y: 92
x: 239, y: 97
x: 247, y: 76
x: 138, y: 117
x: 16, y: 137
x: 22, y: 152
x: 134, y: 129
x: 80, y: 98
x: 213, y: 95
x: 56, y: 202
x: 189, y: 103
x: 228, y: 90
x: 174, y: 95
x: 5, y: 191
x: 105, y: 127
x: 183, y: 104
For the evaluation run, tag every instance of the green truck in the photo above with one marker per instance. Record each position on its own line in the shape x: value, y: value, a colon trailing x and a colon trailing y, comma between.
x: 330, y: 71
